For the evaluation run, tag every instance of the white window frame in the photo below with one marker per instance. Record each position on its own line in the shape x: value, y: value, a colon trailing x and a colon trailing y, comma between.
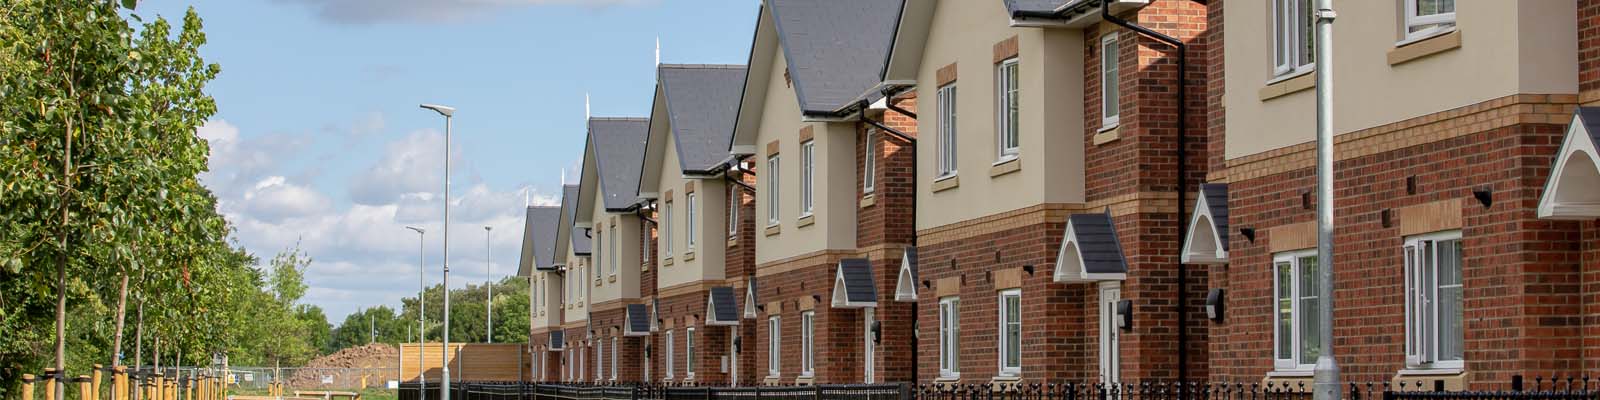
x: 1008, y: 138
x: 1423, y: 323
x: 1110, y: 81
x: 614, y: 358
x: 1009, y: 367
x: 1288, y: 37
x: 671, y: 363
x: 1295, y: 261
x: 869, y: 167
x: 688, y: 353
x: 600, y: 249
x: 667, y: 215
x: 689, y: 200
x: 774, y: 346
x: 950, y: 337
x: 774, y: 207
x: 612, y: 255
x: 1431, y: 25
x: 599, y: 360
x: 946, y: 115
x: 808, y: 177
x: 734, y: 197
x: 808, y: 348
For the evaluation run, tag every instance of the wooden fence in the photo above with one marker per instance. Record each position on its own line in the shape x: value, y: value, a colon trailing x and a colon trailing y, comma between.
x: 469, y: 362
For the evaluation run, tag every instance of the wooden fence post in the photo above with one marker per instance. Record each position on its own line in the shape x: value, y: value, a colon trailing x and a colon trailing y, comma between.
x: 27, y: 386
x: 119, y: 383
x: 85, y: 387
x: 49, y: 384
x: 95, y: 388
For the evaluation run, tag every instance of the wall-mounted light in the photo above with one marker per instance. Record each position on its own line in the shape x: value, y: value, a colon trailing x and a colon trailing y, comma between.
x: 1214, y: 305
x: 877, y: 332
x: 1387, y: 217
x: 1484, y: 195
x: 1028, y: 268
x: 738, y: 345
x: 1249, y: 233
x: 926, y: 284
x: 1125, y: 315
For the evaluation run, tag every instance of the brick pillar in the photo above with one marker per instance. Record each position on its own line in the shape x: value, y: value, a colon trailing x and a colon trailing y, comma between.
x: 1589, y: 51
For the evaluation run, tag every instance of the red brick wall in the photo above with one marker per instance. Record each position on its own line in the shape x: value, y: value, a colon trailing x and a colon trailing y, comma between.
x: 1057, y: 334
x: 741, y: 265
x: 678, y: 313
x: 607, y: 325
x: 1522, y: 276
x: 1589, y: 49
x: 1143, y: 162
x: 836, y: 337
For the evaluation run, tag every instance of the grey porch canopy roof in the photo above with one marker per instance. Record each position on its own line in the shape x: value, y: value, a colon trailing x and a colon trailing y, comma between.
x: 852, y: 284
x: 638, y: 321
x: 1207, y: 241
x: 558, y: 339
x: 722, y: 308
x: 1572, y: 192
x: 1090, y: 250
x: 905, y: 287
x: 750, y: 299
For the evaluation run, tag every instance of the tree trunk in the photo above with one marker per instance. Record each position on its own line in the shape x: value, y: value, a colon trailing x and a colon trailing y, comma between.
x: 61, y: 269
x: 122, y: 313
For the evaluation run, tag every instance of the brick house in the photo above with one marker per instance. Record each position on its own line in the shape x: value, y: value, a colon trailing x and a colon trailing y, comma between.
x: 606, y: 213
x: 814, y: 72
x: 537, y: 264
x: 1450, y: 117
x: 683, y: 180
x: 1032, y: 198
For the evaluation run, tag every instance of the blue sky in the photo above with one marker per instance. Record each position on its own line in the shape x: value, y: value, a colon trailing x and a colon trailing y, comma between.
x: 318, y: 139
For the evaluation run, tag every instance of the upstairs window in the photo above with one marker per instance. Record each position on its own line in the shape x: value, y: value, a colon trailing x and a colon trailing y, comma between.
x: 1006, y: 86
x: 1291, y: 36
x: 947, y: 131
x: 772, y: 191
x: 1110, y: 81
x: 1296, y: 331
x: 808, y: 175
x: 1434, y: 336
x: 612, y: 256
x: 690, y: 229
x: 734, y: 200
x: 1425, y: 18
x: 869, y: 166
x: 667, y: 232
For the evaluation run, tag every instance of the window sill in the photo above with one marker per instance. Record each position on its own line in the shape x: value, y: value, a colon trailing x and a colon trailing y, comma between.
x: 1423, y: 379
x: 806, y: 221
x: 948, y: 378
x: 946, y: 183
x: 733, y: 242
x: 1108, y: 135
x: 687, y: 257
x: 1291, y: 373
x: 612, y: 278
x: 1425, y: 36
x: 1423, y: 371
x: 774, y: 229
x: 667, y: 262
x: 1423, y: 47
x: 1289, y: 84
x: 869, y: 200
x: 805, y: 380
x: 1005, y: 167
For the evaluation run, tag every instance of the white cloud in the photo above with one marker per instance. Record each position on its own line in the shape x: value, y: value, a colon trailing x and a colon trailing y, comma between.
x: 410, y: 166
x: 430, y: 11
x: 275, y: 199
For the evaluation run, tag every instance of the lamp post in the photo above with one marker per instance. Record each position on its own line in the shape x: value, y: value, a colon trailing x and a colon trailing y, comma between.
x: 444, y: 385
x: 1326, y: 381
x: 488, y: 281
x: 422, y: 310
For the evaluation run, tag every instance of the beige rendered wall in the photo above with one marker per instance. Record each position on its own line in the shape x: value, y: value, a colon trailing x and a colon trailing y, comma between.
x: 1051, y: 126
x: 1507, y: 47
x: 834, y: 211
x: 577, y: 310
x: 547, y: 306
x: 622, y: 231
x: 704, y: 260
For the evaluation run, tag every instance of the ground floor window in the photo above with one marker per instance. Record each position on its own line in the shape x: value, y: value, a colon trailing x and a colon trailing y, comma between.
x: 1434, y: 336
x: 1296, y: 331
x: 950, y: 337
x: 807, y: 343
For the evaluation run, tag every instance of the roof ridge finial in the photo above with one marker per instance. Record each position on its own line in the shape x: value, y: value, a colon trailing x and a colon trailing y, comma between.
x: 586, y: 114
x: 658, y: 50
x: 527, y: 196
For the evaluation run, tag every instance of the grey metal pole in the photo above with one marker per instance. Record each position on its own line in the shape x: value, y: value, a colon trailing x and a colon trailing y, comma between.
x: 444, y: 386
x: 422, y: 303
x: 1326, y: 382
x: 488, y: 280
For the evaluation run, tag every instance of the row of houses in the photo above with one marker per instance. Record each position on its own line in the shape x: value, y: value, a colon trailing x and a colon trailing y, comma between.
x: 1002, y: 191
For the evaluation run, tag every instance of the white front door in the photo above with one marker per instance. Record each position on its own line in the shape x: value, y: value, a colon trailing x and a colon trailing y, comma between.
x: 733, y: 357
x: 867, y: 317
x: 1110, y: 340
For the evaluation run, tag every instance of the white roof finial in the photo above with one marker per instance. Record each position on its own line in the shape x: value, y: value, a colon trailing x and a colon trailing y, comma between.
x: 586, y: 106
x: 658, y: 51
x: 527, y: 196
x: 563, y: 177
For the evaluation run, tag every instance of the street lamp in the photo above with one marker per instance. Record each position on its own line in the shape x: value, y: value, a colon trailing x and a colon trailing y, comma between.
x: 422, y: 310
x: 488, y: 280
x: 444, y: 387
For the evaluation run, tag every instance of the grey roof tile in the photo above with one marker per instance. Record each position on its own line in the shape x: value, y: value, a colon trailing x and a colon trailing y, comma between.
x: 1216, y: 195
x: 638, y: 319
x: 725, y: 307
x: 911, y: 258
x: 702, y: 103
x: 1590, y: 117
x: 539, y: 238
x: 857, y: 275
x: 1098, y: 243
x: 569, y: 206
x: 619, y: 157
x: 558, y: 339
x: 836, y: 49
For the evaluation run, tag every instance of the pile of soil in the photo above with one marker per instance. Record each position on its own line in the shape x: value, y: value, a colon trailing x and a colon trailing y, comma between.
x: 376, y: 362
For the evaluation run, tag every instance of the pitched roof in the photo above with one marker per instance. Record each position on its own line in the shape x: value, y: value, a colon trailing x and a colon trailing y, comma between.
x: 905, y: 287
x: 638, y: 320
x: 569, y: 208
x: 702, y: 102
x: 1090, y: 250
x: 619, y: 149
x: 723, y: 309
x: 539, y: 239
x: 1216, y: 195
x: 836, y: 49
x: 853, y: 286
x: 558, y: 339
